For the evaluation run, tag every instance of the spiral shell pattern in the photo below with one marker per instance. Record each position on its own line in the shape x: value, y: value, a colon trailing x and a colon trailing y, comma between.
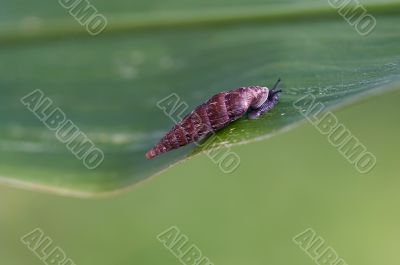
x: 217, y: 112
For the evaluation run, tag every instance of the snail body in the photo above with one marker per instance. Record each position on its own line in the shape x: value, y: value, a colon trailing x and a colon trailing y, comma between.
x: 216, y: 113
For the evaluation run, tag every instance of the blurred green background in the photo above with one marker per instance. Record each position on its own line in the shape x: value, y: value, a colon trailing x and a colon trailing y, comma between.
x: 109, y: 85
x: 284, y: 185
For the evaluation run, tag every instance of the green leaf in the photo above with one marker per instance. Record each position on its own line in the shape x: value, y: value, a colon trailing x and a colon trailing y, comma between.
x: 108, y: 85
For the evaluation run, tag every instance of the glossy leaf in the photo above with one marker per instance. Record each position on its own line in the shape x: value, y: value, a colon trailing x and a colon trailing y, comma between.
x: 108, y: 85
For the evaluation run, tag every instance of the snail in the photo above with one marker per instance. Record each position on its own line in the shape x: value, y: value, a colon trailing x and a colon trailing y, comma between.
x: 216, y: 113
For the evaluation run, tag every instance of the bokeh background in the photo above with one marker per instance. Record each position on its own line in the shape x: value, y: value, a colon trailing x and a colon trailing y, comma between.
x: 285, y: 184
